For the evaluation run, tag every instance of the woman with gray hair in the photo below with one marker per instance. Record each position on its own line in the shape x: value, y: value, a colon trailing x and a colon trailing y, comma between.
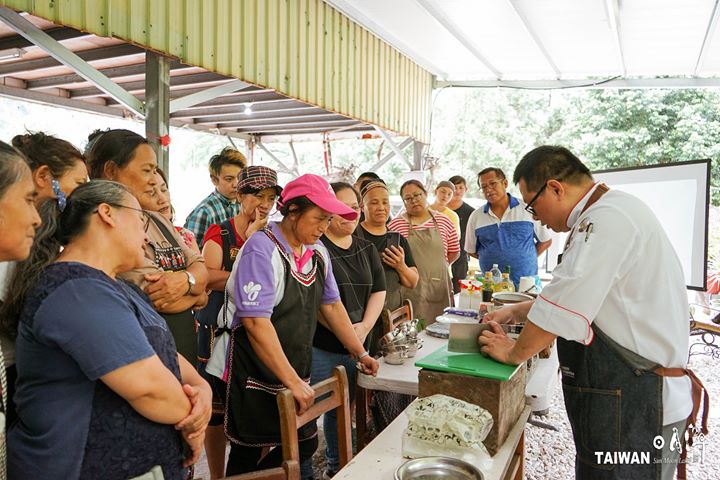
x: 101, y: 390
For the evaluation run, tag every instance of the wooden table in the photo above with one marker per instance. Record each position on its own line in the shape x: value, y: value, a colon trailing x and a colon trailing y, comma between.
x: 382, y: 456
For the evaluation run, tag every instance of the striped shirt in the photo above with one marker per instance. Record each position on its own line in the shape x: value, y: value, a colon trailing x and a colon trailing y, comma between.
x: 450, y: 237
x: 215, y: 208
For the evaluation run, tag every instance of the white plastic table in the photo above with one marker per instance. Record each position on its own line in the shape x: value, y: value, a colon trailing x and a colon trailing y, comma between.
x: 401, y: 378
x: 381, y: 457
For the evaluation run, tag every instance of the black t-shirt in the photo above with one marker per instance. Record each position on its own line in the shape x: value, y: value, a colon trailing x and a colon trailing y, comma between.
x: 359, y: 273
x: 464, y: 212
x: 380, y: 242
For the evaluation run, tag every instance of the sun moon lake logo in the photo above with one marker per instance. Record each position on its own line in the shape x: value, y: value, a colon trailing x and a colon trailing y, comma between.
x: 252, y: 290
x: 674, y: 445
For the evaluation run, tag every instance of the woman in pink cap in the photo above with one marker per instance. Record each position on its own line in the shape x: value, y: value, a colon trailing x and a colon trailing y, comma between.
x: 283, y: 278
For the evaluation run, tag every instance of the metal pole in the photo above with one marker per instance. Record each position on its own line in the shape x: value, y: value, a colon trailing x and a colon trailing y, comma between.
x: 157, y: 106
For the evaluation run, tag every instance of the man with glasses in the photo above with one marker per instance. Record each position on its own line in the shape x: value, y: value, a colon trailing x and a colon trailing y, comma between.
x: 502, y: 231
x: 617, y: 305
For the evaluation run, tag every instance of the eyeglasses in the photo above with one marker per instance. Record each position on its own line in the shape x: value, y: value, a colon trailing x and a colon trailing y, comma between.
x: 144, y: 216
x: 490, y: 185
x: 413, y: 198
x: 529, y: 207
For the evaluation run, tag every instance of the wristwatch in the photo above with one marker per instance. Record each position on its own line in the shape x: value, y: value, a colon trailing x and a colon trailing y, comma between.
x: 191, y: 282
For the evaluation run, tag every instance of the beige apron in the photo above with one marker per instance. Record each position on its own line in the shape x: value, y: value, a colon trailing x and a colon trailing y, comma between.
x: 432, y: 293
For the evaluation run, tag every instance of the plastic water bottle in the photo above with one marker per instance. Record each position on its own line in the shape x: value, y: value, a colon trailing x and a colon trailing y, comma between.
x: 496, y: 275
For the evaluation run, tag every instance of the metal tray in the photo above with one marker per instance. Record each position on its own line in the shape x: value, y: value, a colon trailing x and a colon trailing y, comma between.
x: 439, y: 330
x: 437, y: 468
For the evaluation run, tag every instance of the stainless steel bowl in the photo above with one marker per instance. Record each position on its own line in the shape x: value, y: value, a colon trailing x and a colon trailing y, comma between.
x: 434, y: 468
x: 413, y: 347
x: 395, y: 354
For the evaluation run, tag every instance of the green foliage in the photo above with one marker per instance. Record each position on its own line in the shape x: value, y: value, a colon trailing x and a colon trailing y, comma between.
x: 622, y: 128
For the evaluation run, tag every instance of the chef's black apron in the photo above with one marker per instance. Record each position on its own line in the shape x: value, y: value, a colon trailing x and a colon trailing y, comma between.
x: 614, y: 405
x: 252, y: 418
x: 614, y: 401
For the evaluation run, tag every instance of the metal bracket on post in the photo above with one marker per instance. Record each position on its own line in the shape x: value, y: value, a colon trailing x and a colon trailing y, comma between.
x: 394, y: 146
x: 283, y: 168
x: 205, y: 95
x: 295, y: 157
x: 157, y: 97
x: 63, y: 55
x: 391, y: 154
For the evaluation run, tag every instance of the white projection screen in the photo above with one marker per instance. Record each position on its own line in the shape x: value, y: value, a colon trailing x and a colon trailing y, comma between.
x: 678, y: 194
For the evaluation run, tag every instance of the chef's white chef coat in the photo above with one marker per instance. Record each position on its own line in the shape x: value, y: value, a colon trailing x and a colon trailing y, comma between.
x: 626, y: 277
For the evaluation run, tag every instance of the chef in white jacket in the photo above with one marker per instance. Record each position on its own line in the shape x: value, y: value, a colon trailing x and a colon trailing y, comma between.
x: 617, y: 304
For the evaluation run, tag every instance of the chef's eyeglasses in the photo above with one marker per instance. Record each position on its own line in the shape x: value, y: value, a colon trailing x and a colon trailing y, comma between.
x: 529, y: 207
x: 144, y: 216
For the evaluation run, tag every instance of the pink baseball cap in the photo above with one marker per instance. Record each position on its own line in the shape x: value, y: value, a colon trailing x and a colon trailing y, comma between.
x: 318, y: 191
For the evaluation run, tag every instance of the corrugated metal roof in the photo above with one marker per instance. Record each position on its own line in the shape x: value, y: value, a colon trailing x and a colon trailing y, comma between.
x: 303, y: 49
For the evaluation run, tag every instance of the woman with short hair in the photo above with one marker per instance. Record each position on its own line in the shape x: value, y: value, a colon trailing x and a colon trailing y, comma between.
x: 101, y: 390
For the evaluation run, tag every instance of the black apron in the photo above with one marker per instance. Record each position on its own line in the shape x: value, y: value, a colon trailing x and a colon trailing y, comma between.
x: 614, y: 401
x: 252, y: 417
x: 614, y: 405
x: 170, y: 257
x: 207, y: 316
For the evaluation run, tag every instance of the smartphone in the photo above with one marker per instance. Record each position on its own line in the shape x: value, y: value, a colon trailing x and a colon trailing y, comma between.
x: 392, y: 239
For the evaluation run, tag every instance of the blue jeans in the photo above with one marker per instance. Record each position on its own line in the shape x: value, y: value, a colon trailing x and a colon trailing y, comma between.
x: 323, y: 363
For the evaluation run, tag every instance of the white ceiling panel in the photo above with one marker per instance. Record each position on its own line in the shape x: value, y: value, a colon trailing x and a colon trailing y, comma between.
x: 519, y: 40
x: 663, y: 35
x: 576, y: 34
x: 412, y: 30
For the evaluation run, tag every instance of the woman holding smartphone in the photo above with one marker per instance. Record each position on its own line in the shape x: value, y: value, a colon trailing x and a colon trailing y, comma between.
x: 394, y: 250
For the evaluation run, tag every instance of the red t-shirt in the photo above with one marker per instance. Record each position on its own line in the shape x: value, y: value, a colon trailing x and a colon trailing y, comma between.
x: 213, y: 235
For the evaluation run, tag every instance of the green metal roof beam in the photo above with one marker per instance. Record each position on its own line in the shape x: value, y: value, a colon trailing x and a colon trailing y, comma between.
x: 60, y: 53
x: 305, y: 49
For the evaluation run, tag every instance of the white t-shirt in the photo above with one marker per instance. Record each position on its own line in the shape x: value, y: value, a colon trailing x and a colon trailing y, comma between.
x: 626, y: 277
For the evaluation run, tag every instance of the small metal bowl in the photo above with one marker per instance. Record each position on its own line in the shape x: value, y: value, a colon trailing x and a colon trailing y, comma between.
x: 394, y: 354
x: 437, y: 468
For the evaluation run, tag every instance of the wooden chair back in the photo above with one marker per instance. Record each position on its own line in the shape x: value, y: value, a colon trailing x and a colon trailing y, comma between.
x: 333, y: 394
x: 392, y: 320
x: 290, y: 470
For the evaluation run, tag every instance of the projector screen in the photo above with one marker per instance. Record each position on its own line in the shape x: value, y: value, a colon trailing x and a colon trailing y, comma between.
x: 678, y: 194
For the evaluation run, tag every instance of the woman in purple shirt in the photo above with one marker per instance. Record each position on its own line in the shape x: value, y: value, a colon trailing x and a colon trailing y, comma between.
x: 284, y: 278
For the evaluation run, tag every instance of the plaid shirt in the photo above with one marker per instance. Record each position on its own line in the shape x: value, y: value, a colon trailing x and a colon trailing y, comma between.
x: 215, y: 208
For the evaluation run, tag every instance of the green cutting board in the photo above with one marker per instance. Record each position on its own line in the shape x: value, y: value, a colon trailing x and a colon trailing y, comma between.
x: 473, y: 364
